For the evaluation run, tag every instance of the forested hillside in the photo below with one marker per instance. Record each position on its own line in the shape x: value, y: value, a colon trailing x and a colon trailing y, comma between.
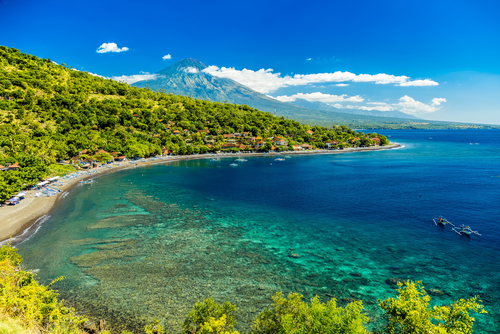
x: 50, y: 112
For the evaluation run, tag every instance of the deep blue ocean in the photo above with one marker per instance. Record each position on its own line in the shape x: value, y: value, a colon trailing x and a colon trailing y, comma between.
x: 149, y: 242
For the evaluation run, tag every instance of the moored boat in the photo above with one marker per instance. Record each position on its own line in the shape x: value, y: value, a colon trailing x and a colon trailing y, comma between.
x: 464, y: 230
x: 441, y: 221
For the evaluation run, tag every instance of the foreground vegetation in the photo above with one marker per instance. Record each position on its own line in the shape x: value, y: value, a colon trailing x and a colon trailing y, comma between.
x: 28, y: 307
x: 49, y: 112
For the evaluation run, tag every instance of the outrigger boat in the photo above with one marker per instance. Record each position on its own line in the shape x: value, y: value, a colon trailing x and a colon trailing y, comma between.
x: 464, y: 230
x: 87, y: 181
x: 279, y: 159
x: 233, y: 165
x: 442, y: 221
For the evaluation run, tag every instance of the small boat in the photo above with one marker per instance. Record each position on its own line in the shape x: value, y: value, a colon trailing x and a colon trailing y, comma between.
x: 464, y: 230
x: 86, y: 181
x: 214, y: 160
x: 441, y: 221
x: 288, y: 157
x: 241, y: 160
x: 279, y: 159
x: 233, y: 165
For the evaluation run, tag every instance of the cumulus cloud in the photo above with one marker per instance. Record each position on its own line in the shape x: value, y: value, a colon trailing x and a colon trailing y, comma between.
x: 437, y: 101
x: 110, y: 47
x: 411, y: 106
x: 309, y: 59
x: 342, y: 85
x: 165, y: 57
x: 266, y: 81
x: 190, y: 69
x: 320, y: 97
x: 406, y: 105
x: 130, y: 79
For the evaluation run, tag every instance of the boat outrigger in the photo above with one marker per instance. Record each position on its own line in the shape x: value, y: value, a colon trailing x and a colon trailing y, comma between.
x: 464, y: 230
x: 442, y: 221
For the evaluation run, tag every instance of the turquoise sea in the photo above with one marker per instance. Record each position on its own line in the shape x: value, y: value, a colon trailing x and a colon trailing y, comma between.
x: 149, y: 242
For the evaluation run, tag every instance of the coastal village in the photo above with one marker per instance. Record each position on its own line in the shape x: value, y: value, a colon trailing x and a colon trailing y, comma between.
x: 244, y: 142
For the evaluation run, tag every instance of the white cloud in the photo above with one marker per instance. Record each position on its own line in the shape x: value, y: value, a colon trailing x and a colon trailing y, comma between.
x: 406, y: 104
x: 437, y: 101
x: 380, y: 78
x: 110, y: 47
x: 342, y: 85
x: 425, y: 82
x: 410, y: 106
x: 377, y: 107
x: 96, y: 75
x: 190, y: 69
x: 320, y: 97
x: 130, y: 79
x: 377, y: 103
x: 309, y: 59
x: 266, y: 81
x: 366, y: 108
x: 165, y: 57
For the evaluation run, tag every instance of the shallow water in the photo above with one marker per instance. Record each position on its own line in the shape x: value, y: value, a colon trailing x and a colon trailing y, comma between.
x: 150, y: 242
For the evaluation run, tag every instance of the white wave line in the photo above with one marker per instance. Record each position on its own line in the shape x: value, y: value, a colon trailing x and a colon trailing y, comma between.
x: 37, y: 224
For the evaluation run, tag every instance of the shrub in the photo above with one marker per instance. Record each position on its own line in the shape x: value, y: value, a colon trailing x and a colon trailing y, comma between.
x: 410, y: 312
x: 293, y: 315
x: 210, y: 317
x: 21, y: 297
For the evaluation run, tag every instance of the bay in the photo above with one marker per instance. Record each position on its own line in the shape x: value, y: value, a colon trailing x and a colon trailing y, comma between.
x: 150, y: 242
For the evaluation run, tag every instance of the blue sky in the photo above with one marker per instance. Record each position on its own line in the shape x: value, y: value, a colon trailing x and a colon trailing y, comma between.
x: 454, y: 45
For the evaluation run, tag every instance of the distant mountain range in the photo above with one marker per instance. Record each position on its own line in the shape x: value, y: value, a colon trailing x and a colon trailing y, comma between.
x: 186, y: 77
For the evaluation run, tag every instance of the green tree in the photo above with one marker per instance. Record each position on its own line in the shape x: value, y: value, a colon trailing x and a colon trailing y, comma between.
x: 102, y: 157
x: 410, y: 312
x: 293, y: 315
x: 209, y: 311
x: 267, y: 146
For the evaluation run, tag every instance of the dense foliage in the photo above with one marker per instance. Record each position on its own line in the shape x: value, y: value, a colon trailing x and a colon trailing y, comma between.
x: 26, y: 304
x: 293, y: 315
x: 23, y: 298
x: 49, y: 112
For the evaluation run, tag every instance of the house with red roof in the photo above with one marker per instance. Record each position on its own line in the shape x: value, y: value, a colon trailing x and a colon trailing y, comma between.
x: 259, y: 144
x: 14, y: 166
x: 331, y: 143
x: 280, y: 141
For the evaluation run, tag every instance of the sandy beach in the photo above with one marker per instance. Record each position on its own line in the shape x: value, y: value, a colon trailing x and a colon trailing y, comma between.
x: 18, y: 220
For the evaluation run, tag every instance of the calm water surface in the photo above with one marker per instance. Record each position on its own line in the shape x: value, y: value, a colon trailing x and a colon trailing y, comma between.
x: 150, y: 242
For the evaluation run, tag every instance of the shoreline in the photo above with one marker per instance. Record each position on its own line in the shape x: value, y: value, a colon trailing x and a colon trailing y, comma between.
x: 20, y: 221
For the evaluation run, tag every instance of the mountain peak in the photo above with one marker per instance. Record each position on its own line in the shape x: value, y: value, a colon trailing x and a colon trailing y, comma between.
x: 188, y: 65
